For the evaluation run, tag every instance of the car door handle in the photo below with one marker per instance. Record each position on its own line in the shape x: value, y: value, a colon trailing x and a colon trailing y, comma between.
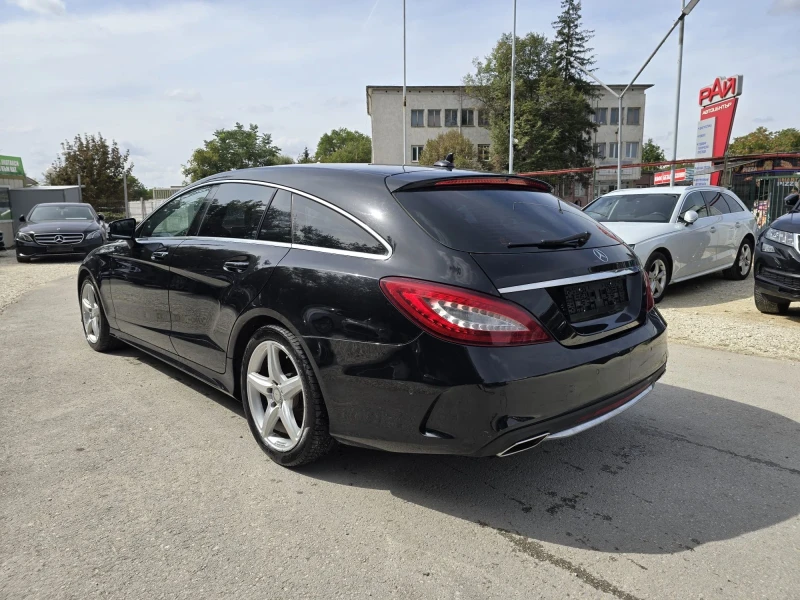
x: 738, y: 225
x: 713, y: 229
x: 236, y: 266
x: 159, y: 254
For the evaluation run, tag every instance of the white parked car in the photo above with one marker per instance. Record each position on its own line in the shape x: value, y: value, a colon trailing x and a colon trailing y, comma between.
x: 681, y: 232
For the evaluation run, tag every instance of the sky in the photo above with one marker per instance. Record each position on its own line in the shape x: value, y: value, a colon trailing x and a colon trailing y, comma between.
x: 160, y: 76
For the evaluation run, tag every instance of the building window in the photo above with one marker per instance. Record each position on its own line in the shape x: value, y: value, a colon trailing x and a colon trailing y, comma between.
x: 451, y: 117
x: 467, y: 117
x: 601, y: 116
x: 434, y: 117
x: 631, y: 149
x: 613, y: 150
x: 417, y: 118
x: 483, y: 118
x: 614, y: 116
x: 600, y: 150
x: 483, y: 153
x: 633, y: 116
x: 416, y: 153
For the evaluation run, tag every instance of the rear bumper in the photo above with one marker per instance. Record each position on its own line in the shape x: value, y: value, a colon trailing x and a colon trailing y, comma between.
x: 434, y: 397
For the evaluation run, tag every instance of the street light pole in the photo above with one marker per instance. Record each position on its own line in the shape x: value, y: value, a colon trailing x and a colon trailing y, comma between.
x: 404, y: 82
x: 677, y: 100
x: 513, y: 89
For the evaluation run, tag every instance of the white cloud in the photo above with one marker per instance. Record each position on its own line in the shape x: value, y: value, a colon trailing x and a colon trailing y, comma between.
x: 184, y: 95
x: 784, y: 6
x: 42, y: 7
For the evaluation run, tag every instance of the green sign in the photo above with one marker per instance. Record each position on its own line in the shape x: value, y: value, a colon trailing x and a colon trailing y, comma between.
x: 11, y: 166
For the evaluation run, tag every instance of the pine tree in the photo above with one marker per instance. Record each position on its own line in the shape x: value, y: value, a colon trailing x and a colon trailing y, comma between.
x: 570, y: 46
x: 305, y: 157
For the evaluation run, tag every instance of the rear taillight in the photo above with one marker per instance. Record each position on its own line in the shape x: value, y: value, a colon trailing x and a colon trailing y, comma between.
x: 650, y: 302
x: 463, y: 316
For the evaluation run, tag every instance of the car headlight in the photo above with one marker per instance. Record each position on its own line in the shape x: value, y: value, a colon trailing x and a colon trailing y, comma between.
x: 24, y: 237
x: 781, y: 237
x: 92, y: 235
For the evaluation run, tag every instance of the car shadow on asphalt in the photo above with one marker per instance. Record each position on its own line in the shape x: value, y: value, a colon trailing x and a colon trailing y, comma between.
x: 206, y: 390
x: 663, y: 478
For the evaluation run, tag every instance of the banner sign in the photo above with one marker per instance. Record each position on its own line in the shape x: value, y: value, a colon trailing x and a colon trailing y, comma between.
x: 11, y: 166
x: 662, y: 177
x: 718, y: 104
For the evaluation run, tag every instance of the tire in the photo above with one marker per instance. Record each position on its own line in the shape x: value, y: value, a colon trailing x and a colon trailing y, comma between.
x: 743, y: 265
x: 283, y: 405
x: 658, y: 272
x: 769, y: 305
x: 93, y: 317
x: 23, y: 259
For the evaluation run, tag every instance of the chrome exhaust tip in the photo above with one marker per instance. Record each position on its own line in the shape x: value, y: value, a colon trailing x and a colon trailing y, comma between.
x: 523, y: 445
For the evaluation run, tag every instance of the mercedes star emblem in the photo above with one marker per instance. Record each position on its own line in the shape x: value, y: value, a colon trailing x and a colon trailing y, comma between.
x: 601, y: 255
x: 59, y: 239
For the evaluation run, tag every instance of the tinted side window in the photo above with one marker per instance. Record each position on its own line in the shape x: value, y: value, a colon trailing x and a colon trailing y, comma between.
x: 733, y: 204
x: 716, y: 203
x: 236, y: 211
x: 277, y: 225
x: 316, y: 225
x: 175, y: 218
x: 695, y: 202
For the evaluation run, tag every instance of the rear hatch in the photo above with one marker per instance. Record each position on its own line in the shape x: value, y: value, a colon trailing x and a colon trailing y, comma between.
x: 542, y: 253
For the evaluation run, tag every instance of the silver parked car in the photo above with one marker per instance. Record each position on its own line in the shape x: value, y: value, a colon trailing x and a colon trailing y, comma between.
x: 681, y: 232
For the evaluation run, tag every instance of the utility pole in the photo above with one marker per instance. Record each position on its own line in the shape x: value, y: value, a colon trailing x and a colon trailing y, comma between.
x: 513, y: 89
x: 125, y: 194
x: 677, y: 99
x: 404, y: 83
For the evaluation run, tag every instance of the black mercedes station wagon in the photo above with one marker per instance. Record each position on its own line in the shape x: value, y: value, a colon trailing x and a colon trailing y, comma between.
x: 399, y: 308
x: 59, y: 228
x: 777, y: 262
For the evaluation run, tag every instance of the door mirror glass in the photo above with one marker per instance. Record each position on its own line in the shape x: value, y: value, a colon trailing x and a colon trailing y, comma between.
x: 22, y: 218
x: 101, y: 217
x: 690, y: 217
x: 123, y: 229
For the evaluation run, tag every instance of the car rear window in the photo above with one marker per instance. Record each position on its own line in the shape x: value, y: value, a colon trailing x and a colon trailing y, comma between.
x: 488, y: 220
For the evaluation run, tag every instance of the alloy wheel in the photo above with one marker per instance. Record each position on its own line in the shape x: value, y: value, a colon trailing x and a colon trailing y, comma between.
x: 90, y: 310
x: 745, y: 259
x: 275, y: 395
x: 658, y: 277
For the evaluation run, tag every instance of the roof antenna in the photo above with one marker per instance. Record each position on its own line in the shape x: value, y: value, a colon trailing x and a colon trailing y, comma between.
x: 447, y: 163
x: 559, y: 205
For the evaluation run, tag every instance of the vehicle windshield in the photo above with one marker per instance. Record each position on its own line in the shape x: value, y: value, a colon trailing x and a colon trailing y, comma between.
x: 499, y: 220
x: 638, y: 208
x: 61, y: 213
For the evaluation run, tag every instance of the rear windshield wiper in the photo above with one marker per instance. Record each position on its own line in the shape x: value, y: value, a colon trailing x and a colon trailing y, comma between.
x: 572, y: 241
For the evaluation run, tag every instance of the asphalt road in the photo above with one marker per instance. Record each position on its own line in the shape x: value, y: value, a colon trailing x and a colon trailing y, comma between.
x: 121, y: 477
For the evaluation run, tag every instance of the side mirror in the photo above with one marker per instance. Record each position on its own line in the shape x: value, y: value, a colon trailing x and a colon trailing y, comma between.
x: 22, y: 218
x: 100, y: 217
x: 123, y: 229
x: 791, y: 200
x: 690, y: 216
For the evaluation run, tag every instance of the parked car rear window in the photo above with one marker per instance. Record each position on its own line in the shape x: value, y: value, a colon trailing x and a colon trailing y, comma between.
x: 316, y: 225
x: 640, y: 208
x: 487, y: 220
x: 61, y: 213
x: 236, y: 211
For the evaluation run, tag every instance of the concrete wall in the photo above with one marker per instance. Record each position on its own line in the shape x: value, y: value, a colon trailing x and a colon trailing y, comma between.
x: 385, y: 105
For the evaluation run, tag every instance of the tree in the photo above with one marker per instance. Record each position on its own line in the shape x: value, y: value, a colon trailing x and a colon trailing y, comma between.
x: 570, y: 47
x: 552, y: 124
x: 652, y: 152
x: 443, y: 144
x: 344, y: 146
x: 305, y: 157
x: 284, y: 159
x: 762, y: 141
x: 101, y: 166
x: 136, y: 189
x: 236, y: 148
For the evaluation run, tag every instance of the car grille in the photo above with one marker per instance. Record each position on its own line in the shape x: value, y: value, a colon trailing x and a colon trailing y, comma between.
x: 792, y: 283
x: 56, y: 239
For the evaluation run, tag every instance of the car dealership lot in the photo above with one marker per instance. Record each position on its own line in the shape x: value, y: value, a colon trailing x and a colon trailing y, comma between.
x: 123, y: 477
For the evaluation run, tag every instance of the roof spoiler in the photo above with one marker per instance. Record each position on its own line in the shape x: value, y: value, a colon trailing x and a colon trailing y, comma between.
x: 483, y: 181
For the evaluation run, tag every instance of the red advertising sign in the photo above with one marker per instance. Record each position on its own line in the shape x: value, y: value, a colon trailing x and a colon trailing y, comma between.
x: 718, y: 102
x: 662, y: 177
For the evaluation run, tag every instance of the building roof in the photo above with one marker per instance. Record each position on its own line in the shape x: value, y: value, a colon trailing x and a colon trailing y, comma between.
x: 38, y: 188
x: 460, y: 88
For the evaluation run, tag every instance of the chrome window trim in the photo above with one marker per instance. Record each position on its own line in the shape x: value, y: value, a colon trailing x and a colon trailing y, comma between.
x: 291, y: 190
x: 568, y: 280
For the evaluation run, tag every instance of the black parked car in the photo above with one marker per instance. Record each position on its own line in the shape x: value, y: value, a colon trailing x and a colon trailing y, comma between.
x: 777, y: 262
x: 405, y: 309
x: 59, y: 228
